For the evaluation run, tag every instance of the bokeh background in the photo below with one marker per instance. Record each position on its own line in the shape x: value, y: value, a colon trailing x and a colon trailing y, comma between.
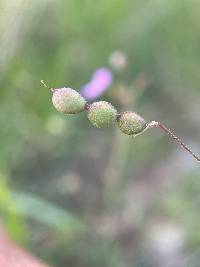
x: 78, y: 196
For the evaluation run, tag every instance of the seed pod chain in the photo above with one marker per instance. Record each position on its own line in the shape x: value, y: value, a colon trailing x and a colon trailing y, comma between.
x: 103, y: 114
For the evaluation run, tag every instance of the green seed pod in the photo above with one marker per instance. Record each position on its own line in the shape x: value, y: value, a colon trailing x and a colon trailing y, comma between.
x: 68, y: 101
x: 101, y: 114
x: 131, y: 123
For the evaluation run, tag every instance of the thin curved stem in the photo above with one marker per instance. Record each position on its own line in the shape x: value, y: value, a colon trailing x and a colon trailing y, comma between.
x: 48, y: 87
x: 173, y: 136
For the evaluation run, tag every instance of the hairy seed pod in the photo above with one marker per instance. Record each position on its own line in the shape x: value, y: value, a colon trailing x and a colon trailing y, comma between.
x: 131, y: 123
x: 68, y: 101
x: 101, y: 114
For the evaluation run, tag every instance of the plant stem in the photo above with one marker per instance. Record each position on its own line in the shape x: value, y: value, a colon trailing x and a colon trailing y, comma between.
x: 173, y: 136
x: 48, y: 87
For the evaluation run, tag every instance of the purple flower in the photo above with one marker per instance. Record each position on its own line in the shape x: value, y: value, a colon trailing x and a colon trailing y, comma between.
x: 101, y: 80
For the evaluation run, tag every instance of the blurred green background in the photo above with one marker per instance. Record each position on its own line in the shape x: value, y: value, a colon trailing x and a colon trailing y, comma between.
x: 78, y: 196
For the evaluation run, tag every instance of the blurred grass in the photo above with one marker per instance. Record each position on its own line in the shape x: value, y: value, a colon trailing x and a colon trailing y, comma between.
x: 9, y: 213
x: 34, y: 208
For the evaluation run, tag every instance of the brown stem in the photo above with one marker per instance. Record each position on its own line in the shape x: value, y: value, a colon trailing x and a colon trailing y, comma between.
x: 87, y: 106
x: 173, y: 136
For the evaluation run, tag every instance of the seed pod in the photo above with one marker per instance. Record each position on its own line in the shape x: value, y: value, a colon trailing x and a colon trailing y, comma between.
x: 68, y: 101
x: 101, y: 114
x: 131, y: 123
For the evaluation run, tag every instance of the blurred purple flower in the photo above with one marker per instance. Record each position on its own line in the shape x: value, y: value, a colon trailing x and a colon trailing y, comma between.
x: 101, y: 80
